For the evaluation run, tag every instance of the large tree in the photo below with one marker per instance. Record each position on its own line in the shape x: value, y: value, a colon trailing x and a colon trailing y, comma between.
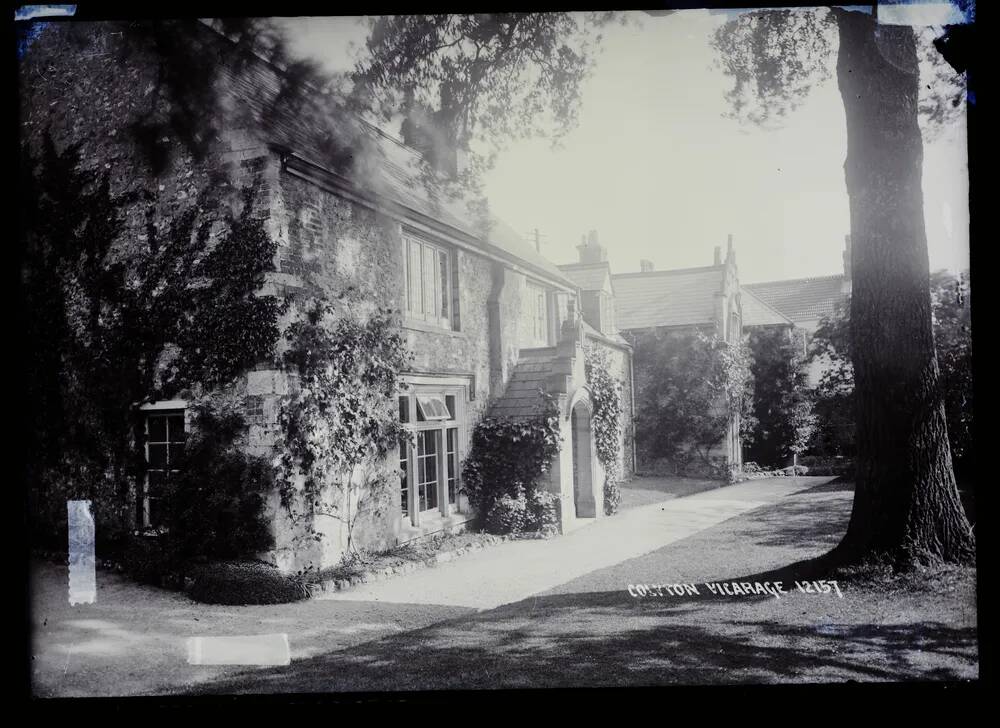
x: 906, y: 504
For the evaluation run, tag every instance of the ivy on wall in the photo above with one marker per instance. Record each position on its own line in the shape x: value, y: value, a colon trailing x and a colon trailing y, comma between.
x: 341, y: 424
x: 606, y: 396
x: 112, y: 320
x: 691, y: 388
x: 503, y: 474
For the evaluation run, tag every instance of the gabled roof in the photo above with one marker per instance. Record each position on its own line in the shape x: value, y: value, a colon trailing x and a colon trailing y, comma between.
x: 588, y: 276
x: 683, y: 297
x: 800, y: 299
x: 758, y: 313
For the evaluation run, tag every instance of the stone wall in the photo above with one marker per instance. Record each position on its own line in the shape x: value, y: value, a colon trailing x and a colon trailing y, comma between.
x: 88, y: 83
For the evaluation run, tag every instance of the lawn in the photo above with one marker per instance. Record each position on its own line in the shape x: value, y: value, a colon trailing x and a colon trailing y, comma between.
x: 588, y: 631
x: 591, y: 632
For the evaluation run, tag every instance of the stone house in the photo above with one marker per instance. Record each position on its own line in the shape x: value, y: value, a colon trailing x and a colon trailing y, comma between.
x: 488, y: 319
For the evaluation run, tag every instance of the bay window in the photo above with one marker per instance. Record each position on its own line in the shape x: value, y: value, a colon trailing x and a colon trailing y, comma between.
x: 429, y: 460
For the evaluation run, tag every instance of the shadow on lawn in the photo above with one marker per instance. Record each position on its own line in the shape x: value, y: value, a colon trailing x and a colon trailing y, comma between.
x: 612, y: 639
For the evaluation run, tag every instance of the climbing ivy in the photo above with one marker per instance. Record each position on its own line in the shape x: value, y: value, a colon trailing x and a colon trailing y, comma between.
x: 502, y: 476
x: 606, y: 396
x: 113, y: 319
x: 691, y: 387
x: 341, y: 423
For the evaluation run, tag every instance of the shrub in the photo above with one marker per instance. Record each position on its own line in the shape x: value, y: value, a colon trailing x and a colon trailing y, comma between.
x: 246, y: 582
x: 751, y: 467
x: 145, y: 559
x: 502, y: 474
x: 215, y: 505
x: 506, y: 514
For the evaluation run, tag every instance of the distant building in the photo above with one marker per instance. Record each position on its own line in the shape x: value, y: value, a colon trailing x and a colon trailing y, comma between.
x: 798, y: 302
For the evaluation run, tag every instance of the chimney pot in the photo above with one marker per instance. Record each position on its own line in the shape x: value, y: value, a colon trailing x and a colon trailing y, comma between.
x: 718, y: 255
x: 645, y: 265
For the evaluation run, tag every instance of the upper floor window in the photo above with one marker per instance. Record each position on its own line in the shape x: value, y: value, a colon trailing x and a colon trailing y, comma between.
x: 537, y: 316
x: 427, y: 272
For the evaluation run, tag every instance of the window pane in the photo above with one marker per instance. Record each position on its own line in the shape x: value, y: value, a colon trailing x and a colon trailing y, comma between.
x: 404, y: 408
x: 432, y: 407
x: 155, y: 480
x: 430, y: 299
x: 157, y: 429
x: 415, y: 306
x: 175, y: 428
x: 157, y: 456
x: 175, y: 454
x: 443, y: 260
x: 452, y: 462
x: 427, y: 469
x: 450, y: 402
x: 403, y: 478
x: 155, y: 512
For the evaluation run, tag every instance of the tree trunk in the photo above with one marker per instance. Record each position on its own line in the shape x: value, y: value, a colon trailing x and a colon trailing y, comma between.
x: 906, y: 504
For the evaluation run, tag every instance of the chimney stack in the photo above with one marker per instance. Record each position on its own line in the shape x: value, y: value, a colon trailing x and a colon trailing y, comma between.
x: 730, y: 253
x: 718, y: 255
x: 590, y: 250
x: 646, y: 266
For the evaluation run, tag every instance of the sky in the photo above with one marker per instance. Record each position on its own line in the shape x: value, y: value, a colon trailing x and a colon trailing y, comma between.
x: 657, y: 170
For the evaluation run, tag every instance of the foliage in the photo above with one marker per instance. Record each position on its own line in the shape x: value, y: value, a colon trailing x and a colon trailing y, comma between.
x: 454, y: 78
x: 833, y: 396
x: 775, y: 57
x: 782, y: 404
x: 831, y: 344
x: 246, y: 582
x: 502, y: 475
x: 342, y: 422
x: 215, y: 505
x: 690, y: 388
x: 606, y: 396
x: 112, y: 322
x: 488, y: 77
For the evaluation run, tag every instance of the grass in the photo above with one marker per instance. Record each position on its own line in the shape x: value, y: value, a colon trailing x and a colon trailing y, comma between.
x: 590, y: 632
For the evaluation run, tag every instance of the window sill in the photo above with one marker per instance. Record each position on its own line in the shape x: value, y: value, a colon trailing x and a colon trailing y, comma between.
x: 415, y: 325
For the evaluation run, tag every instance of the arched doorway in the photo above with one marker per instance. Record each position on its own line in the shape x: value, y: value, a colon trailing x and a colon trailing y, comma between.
x: 583, y: 472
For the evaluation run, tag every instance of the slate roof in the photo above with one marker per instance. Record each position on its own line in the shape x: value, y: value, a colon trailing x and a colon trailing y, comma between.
x: 521, y: 399
x: 393, y: 174
x: 800, y: 299
x: 758, y: 313
x: 612, y: 338
x: 683, y: 297
x: 401, y: 177
x: 587, y: 276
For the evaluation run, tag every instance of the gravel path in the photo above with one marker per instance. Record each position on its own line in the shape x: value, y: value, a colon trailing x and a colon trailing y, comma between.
x: 515, y: 570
